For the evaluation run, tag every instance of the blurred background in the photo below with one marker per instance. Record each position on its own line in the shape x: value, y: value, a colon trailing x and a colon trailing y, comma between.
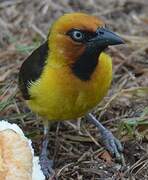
x: 75, y: 146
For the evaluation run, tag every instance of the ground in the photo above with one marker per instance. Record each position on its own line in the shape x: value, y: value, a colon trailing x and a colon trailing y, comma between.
x: 75, y: 146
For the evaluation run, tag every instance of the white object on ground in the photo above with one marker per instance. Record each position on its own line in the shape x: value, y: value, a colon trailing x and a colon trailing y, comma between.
x: 17, y: 160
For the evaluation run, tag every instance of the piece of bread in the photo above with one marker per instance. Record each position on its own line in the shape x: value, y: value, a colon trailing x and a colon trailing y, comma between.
x: 16, y: 155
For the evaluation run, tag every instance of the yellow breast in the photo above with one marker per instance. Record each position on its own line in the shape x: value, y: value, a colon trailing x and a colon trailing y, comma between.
x: 60, y: 95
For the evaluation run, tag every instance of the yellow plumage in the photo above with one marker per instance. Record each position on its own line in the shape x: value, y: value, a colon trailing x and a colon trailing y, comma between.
x: 60, y: 95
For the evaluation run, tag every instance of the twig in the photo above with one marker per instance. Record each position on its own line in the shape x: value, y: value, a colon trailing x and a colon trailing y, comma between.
x: 36, y: 29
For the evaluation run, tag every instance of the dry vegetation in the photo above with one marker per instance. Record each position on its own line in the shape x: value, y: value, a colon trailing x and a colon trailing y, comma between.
x: 75, y: 146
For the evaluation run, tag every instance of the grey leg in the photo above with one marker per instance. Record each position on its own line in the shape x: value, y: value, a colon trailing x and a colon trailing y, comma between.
x: 112, y: 144
x: 46, y: 164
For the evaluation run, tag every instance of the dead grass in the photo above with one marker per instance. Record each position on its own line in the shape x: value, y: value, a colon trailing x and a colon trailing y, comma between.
x: 75, y: 146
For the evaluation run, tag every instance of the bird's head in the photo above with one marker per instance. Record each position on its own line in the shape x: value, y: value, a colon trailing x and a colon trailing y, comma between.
x: 74, y: 34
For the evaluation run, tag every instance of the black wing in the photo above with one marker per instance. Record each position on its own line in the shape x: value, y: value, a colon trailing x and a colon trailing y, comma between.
x: 32, y: 68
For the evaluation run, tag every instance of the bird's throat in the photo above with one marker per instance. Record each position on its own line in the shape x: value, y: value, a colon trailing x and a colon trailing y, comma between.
x: 86, y: 64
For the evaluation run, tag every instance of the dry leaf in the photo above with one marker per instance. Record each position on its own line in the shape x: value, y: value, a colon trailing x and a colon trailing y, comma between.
x: 106, y: 157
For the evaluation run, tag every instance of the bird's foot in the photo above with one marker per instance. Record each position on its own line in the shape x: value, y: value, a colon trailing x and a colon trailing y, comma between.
x: 112, y: 144
x: 46, y: 166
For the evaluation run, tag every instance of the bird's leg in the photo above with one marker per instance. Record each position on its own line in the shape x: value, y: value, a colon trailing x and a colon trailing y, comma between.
x: 46, y: 164
x: 112, y: 144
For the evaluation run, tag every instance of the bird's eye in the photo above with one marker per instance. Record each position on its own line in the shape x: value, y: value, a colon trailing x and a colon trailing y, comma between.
x: 76, y: 35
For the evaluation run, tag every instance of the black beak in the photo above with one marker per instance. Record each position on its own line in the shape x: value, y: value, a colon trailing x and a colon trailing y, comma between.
x: 106, y: 37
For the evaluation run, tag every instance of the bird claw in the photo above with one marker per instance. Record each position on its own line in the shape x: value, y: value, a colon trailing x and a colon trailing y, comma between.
x: 112, y: 144
x: 46, y: 166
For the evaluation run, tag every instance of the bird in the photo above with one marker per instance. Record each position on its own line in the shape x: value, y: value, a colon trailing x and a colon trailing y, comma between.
x: 69, y: 74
